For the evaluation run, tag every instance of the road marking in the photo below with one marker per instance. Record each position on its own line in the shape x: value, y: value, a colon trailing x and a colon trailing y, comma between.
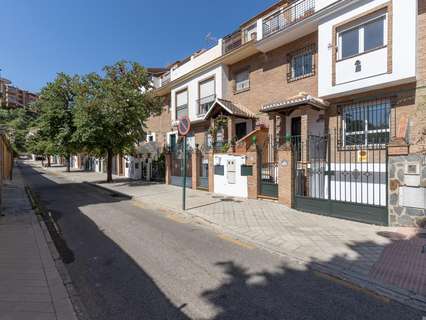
x: 353, y: 287
x: 138, y: 204
x: 236, y: 241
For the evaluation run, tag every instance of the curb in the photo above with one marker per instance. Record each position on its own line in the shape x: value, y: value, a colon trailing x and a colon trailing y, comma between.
x: 112, y: 192
x: 76, y: 304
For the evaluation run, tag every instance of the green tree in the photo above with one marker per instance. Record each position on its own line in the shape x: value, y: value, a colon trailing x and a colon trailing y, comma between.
x: 112, y: 110
x: 56, y: 121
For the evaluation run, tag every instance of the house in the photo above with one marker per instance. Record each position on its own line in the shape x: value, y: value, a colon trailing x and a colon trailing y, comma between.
x: 317, y: 104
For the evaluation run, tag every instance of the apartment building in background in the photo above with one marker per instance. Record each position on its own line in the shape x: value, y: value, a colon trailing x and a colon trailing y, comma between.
x: 317, y: 104
x: 14, y: 97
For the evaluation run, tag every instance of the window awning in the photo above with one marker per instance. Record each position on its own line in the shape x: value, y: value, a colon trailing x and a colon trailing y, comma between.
x: 220, y: 105
x: 294, y: 102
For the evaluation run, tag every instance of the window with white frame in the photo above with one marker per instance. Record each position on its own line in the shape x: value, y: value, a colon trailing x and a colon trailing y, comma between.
x: 150, y: 137
x: 366, y: 123
x: 207, y: 95
x: 181, y: 104
x: 369, y: 35
x: 301, y: 64
x: 242, y: 80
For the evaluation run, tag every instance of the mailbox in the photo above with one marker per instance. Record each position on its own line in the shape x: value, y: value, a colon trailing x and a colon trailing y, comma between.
x: 231, y: 171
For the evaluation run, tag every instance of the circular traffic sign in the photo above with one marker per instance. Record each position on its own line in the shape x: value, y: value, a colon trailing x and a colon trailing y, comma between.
x: 184, y: 126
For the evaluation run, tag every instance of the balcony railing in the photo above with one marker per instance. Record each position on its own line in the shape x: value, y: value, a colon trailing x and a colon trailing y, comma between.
x: 204, y: 104
x: 165, y: 79
x: 232, y: 41
x: 285, y: 18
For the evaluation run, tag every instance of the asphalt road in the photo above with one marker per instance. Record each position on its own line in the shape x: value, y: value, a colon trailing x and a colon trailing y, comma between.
x: 130, y: 262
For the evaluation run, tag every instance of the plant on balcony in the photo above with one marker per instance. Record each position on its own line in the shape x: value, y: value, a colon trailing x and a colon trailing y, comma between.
x: 220, y: 122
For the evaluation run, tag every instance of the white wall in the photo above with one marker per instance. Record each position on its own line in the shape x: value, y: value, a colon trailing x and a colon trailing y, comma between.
x: 197, y: 61
x: 192, y: 86
x: 403, y: 52
x: 221, y: 184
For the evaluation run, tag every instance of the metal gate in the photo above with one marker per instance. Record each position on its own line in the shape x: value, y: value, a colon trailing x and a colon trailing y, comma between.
x: 268, y: 169
x: 158, y: 169
x: 338, y: 178
x: 177, y: 166
x: 203, y: 168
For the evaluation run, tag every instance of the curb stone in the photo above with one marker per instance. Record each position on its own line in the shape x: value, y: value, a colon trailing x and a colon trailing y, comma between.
x: 76, y: 304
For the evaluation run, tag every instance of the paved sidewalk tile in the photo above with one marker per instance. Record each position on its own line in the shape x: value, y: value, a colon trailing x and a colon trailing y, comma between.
x: 30, y: 285
x: 391, y: 256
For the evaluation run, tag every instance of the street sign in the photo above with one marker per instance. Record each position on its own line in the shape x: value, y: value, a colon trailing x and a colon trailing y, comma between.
x: 184, y: 126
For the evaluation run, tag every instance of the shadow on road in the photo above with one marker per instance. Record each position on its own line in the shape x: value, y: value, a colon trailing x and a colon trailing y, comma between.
x: 109, y: 282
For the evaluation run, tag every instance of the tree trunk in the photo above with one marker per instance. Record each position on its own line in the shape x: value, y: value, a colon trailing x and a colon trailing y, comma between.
x: 109, y: 165
x: 68, y: 163
x: 48, y: 161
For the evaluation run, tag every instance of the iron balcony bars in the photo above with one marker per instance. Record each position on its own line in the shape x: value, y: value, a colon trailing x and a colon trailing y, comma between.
x: 286, y: 17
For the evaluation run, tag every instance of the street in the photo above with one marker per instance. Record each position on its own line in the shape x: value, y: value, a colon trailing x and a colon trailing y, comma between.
x: 127, y: 261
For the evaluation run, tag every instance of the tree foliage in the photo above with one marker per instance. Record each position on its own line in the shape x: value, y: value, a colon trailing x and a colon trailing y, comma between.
x: 111, y: 110
x: 56, y: 122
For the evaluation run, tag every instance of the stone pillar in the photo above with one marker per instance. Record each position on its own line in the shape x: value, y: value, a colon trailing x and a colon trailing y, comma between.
x: 168, y: 159
x: 211, y: 171
x: 195, y: 168
x: 273, y: 126
x: 253, y: 181
x: 231, y: 129
x: 283, y: 129
x: 285, y: 176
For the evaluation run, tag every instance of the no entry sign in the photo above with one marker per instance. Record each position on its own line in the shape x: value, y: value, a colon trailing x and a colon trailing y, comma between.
x: 184, y: 126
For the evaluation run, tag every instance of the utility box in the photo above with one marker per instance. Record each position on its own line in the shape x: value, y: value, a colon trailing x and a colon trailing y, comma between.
x: 412, y: 174
x: 231, y: 171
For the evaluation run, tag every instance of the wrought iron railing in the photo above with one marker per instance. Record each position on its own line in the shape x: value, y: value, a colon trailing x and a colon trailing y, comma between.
x: 204, y: 104
x: 232, y: 41
x: 288, y: 16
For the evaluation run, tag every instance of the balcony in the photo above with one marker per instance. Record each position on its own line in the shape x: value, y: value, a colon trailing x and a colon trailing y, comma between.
x: 165, y: 79
x: 287, y: 17
x: 204, y: 104
x: 232, y: 41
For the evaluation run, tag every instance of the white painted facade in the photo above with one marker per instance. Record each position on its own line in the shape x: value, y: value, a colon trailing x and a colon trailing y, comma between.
x: 192, y: 86
x: 373, y: 74
x: 231, y: 183
x: 197, y: 61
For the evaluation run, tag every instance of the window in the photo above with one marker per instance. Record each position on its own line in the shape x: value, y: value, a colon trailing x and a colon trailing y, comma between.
x: 250, y: 33
x: 368, y: 36
x: 366, y: 123
x: 207, y: 96
x: 301, y: 64
x: 181, y: 104
x: 242, y: 80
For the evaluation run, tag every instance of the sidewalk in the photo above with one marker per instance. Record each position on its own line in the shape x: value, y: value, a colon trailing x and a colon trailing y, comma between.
x: 383, y: 259
x: 30, y: 285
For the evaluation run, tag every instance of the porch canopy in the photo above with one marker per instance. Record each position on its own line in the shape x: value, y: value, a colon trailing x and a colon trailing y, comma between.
x: 294, y: 103
x: 232, y: 111
x: 307, y: 105
x: 226, y: 107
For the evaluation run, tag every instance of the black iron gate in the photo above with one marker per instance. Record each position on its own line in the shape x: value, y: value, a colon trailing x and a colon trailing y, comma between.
x: 341, y: 179
x: 203, y: 168
x: 158, y: 169
x: 177, y: 166
x: 268, y: 168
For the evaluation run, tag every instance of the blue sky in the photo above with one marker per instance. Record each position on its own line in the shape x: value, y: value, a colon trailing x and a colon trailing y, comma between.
x: 43, y: 37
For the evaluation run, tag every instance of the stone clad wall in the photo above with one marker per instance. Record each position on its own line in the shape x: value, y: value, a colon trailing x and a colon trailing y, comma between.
x: 400, y: 215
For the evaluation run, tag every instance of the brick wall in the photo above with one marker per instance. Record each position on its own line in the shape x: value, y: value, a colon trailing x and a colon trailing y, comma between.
x: 161, y: 124
x: 268, y: 77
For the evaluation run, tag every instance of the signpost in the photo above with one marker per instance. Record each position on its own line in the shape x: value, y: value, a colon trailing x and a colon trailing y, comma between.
x: 184, y: 127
